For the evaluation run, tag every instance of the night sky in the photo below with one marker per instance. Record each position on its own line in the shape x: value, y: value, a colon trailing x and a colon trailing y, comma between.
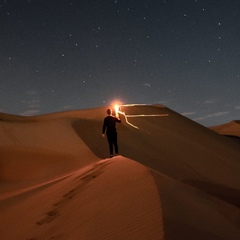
x: 58, y: 55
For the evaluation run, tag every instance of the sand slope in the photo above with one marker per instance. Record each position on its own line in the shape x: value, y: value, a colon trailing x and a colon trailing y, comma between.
x: 175, y: 179
x: 92, y: 203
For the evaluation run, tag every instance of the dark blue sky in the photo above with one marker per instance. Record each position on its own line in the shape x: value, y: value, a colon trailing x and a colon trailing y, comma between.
x: 66, y: 55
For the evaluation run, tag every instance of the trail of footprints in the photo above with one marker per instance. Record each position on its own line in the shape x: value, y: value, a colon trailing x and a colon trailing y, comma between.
x: 82, y: 182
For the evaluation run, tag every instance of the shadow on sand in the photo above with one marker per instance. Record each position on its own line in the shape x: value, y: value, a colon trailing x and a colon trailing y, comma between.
x: 92, y: 136
x: 226, y: 194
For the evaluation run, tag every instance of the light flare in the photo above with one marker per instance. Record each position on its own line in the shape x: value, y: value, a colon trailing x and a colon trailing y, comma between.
x: 117, y: 108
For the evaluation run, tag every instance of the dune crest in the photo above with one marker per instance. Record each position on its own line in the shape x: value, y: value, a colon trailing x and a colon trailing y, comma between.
x: 229, y: 129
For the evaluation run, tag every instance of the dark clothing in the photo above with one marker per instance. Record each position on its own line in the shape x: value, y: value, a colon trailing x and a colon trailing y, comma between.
x: 109, y: 126
x: 112, y: 141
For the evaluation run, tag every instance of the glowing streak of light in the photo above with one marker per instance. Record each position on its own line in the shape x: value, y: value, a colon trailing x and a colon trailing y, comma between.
x: 130, y: 123
x: 123, y: 113
x: 149, y: 115
x: 142, y: 115
x: 133, y: 105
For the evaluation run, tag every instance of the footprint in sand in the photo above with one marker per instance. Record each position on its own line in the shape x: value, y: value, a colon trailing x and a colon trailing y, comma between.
x: 49, y: 218
x: 85, y: 178
x: 94, y: 172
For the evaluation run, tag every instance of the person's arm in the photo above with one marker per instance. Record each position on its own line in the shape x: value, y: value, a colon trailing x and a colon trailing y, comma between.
x: 104, y: 128
x: 119, y: 114
x: 118, y: 119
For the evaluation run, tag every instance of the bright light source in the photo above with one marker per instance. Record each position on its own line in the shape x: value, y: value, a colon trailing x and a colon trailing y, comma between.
x: 116, y: 108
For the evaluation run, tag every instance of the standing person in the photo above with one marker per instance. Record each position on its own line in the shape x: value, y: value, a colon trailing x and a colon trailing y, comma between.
x: 109, y: 126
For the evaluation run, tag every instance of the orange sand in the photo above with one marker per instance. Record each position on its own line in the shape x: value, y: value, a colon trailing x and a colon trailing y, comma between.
x: 174, y: 179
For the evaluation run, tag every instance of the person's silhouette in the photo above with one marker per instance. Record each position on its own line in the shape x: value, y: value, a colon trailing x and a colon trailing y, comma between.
x: 109, y: 126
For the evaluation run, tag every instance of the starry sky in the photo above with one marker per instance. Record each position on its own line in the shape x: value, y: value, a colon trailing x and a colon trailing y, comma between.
x: 59, y: 55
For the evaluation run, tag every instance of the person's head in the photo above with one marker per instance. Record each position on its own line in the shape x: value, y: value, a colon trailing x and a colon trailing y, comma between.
x: 109, y: 111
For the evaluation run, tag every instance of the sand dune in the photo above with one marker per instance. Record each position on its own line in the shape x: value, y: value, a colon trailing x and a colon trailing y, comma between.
x: 231, y: 129
x: 174, y: 179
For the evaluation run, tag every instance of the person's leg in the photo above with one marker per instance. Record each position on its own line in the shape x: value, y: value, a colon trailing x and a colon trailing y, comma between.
x: 115, y: 143
x: 110, y: 143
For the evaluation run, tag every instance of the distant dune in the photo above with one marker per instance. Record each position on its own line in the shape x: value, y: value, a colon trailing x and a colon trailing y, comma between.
x: 174, y: 178
x: 231, y: 129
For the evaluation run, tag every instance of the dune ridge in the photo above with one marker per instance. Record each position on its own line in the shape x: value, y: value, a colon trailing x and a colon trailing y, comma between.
x: 174, y: 179
x: 231, y: 129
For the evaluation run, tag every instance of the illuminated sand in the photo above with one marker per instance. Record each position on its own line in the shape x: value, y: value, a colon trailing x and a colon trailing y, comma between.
x: 175, y: 179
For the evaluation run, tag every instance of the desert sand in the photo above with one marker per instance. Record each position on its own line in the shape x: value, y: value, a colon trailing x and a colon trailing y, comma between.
x: 174, y: 179
x: 231, y: 129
